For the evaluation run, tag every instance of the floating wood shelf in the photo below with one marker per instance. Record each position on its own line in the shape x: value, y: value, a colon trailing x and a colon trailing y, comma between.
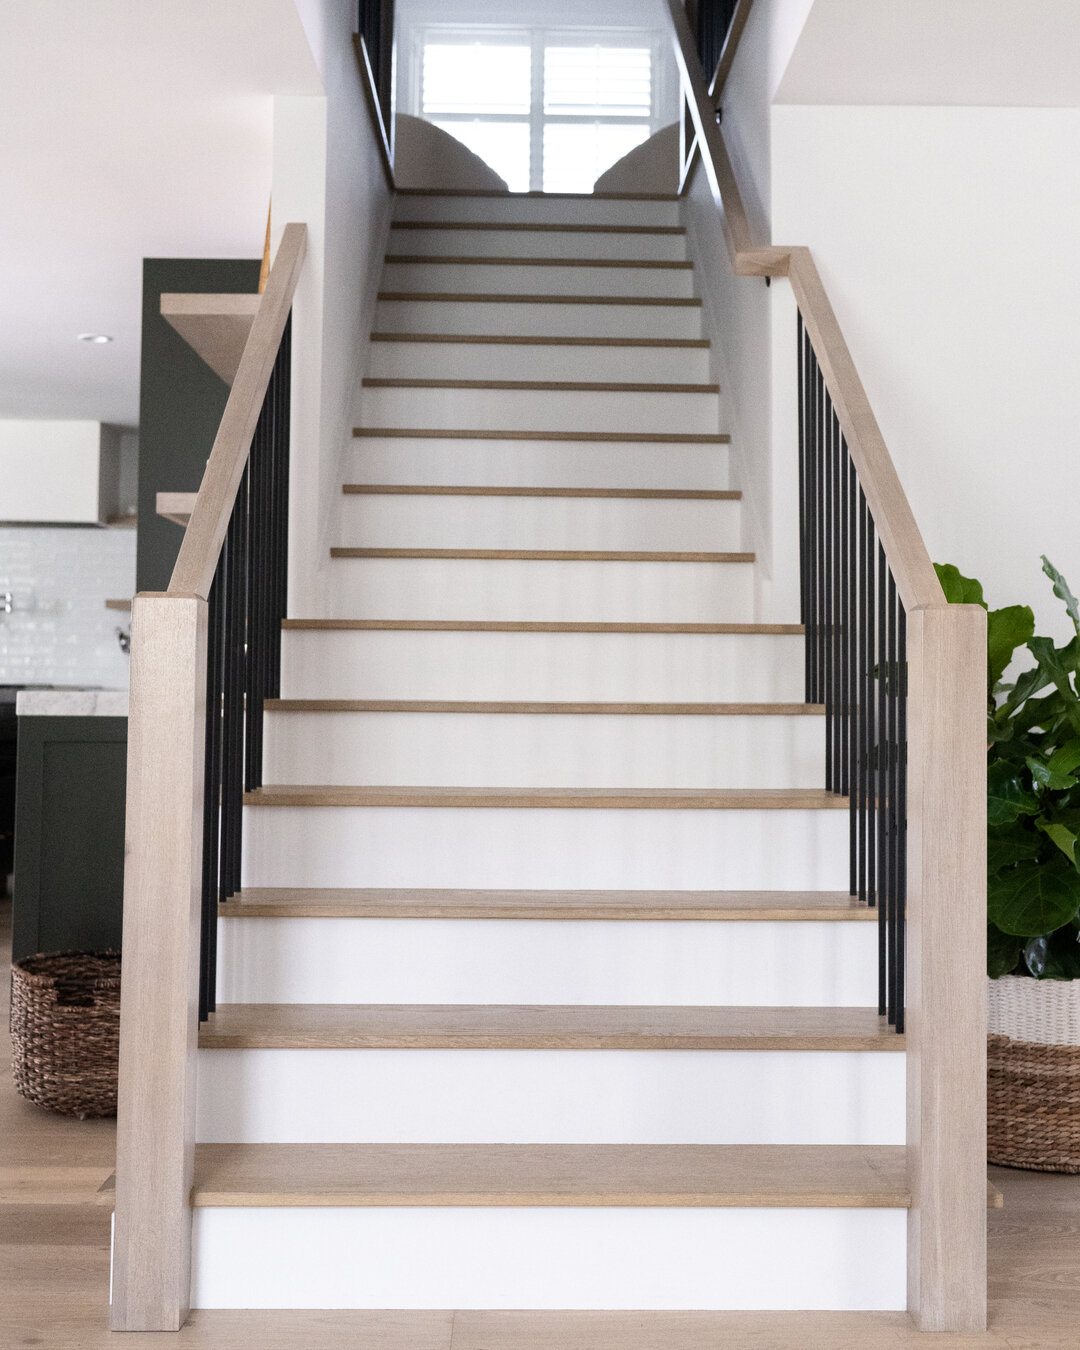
x: 215, y: 326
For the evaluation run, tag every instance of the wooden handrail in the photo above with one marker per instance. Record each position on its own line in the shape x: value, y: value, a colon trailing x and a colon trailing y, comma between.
x: 915, y: 577
x: 205, y: 534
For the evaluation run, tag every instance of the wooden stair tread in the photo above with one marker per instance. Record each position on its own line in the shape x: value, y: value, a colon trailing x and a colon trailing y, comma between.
x: 591, y: 437
x: 542, y: 626
x: 536, y: 195
x: 543, y: 555
x: 454, y: 490
x: 373, y: 903
x: 522, y: 298
x: 485, y: 260
x: 541, y: 226
x: 518, y: 340
x: 546, y: 386
x: 544, y: 709
x: 383, y: 1026
x: 596, y: 799
x: 700, y: 1175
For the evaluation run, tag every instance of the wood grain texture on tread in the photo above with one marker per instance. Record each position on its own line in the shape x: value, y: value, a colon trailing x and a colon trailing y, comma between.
x: 687, y: 906
x: 468, y: 260
x: 541, y: 626
x: 586, y: 437
x: 799, y: 1176
x: 383, y: 1026
x: 589, y: 799
x: 497, y: 298
x: 367, y: 705
x: 453, y: 490
x: 512, y: 340
x: 545, y: 386
x: 542, y: 555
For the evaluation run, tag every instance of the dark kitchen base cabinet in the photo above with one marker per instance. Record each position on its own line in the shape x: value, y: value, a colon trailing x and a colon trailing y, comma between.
x: 69, y: 834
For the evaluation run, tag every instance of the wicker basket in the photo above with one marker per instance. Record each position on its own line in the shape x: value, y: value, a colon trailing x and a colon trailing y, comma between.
x: 65, y: 1031
x: 1033, y: 1068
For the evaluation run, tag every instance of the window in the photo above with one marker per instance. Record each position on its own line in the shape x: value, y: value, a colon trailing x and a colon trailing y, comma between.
x: 548, y: 111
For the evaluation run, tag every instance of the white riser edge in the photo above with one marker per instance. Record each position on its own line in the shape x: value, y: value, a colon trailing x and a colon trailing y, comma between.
x: 581, y: 210
x: 660, y: 963
x: 389, y: 521
x: 511, y: 589
x: 407, y: 459
x: 523, y: 361
x: 529, y: 848
x: 537, y: 244
x: 508, y: 279
x: 551, y: 1096
x: 689, y: 667
x: 545, y: 750
x: 799, y: 1259
x: 538, y: 320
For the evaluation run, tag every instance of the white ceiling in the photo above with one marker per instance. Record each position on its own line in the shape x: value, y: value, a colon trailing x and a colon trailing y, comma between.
x: 131, y: 129
x: 937, y: 53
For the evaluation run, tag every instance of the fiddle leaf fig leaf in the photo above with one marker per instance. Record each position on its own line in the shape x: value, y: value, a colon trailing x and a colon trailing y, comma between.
x: 1007, y: 798
x: 1034, y: 898
x: 1059, y: 663
x: 1006, y: 629
x: 1046, y: 777
x: 1002, y: 952
x: 1007, y: 848
x: 1061, y: 590
x: 959, y: 590
x: 1061, y: 835
x: 1066, y: 758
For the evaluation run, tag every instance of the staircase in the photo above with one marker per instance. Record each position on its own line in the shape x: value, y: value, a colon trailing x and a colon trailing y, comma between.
x: 544, y: 988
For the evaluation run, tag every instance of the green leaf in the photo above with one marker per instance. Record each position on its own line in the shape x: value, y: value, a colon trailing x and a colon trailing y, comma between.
x: 1065, y: 758
x: 1061, y: 590
x: 1007, y: 798
x: 1008, y: 847
x: 1061, y: 835
x: 1059, y: 663
x: 1034, y: 898
x: 1046, y: 777
x: 1006, y: 629
x: 1002, y: 952
x: 1027, y: 684
x: 959, y: 590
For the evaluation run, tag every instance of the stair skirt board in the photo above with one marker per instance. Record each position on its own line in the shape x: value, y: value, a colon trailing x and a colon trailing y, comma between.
x: 516, y: 463
x: 475, y: 588
x: 537, y: 361
x: 545, y: 849
x: 543, y: 750
x: 633, y: 1258
x: 544, y: 961
x: 536, y: 317
x: 551, y: 1096
x: 734, y: 667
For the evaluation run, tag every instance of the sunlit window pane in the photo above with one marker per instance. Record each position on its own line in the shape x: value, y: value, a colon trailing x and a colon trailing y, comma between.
x: 604, y: 81
x: 576, y: 154
x: 475, y: 77
x: 503, y: 146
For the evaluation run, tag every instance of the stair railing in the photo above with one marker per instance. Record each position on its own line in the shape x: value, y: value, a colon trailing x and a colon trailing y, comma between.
x: 204, y: 655
x: 902, y: 675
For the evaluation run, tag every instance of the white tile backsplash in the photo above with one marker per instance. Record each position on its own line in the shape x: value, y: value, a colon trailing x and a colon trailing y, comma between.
x: 59, y: 631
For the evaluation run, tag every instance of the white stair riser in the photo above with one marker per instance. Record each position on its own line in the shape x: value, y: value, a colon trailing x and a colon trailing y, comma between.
x: 582, y: 210
x: 541, y: 848
x: 388, y: 521
x: 689, y: 667
x: 537, y: 320
x: 658, y: 963
x: 664, y: 1258
x: 525, y: 361
x: 545, y: 750
x: 510, y: 279
x: 512, y: 589
x: 538, y: 244
x: 541, y: 410
x: 472, y: 462
x: 551, y: 1096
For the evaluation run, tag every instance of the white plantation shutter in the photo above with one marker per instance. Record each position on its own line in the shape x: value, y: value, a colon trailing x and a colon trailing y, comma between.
x: 484, y: 79
x: 598, y: 81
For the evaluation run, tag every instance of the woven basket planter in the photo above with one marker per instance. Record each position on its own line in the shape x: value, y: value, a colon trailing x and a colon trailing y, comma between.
x: 1033, y: 1073
x: 65, y: 1031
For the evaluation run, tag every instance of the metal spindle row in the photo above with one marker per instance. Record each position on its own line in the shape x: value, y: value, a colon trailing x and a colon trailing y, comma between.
x: 856, y: 666
x: 246, y: 605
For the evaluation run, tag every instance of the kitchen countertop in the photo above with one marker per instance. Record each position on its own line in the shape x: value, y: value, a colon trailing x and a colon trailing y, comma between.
x: 72, y: 703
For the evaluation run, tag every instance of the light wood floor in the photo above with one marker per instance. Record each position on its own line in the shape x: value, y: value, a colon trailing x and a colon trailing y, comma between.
x: 54, y: 1275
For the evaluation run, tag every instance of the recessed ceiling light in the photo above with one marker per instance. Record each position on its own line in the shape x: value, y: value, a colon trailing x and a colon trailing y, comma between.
x: 94, y: 337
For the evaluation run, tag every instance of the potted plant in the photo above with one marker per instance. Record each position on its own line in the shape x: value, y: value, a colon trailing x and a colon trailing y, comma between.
x: 1033, y: 884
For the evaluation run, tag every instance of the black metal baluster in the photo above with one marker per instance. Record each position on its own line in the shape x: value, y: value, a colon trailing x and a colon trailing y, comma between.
x: 901, y: 806
x: 893, y: 817
x: 881, y: 783
x: 800, y: 351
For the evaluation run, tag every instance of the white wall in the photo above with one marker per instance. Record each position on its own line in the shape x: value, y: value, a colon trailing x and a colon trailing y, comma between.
x: 947, y: 241
x: 327, y: 172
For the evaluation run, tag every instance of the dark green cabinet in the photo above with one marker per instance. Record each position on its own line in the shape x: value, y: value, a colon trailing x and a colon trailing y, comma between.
x: 69, y: 834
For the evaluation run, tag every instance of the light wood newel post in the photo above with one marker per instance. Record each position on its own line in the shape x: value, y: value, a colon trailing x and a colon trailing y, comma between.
x: 946, y: 954
x: 159, y: 996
